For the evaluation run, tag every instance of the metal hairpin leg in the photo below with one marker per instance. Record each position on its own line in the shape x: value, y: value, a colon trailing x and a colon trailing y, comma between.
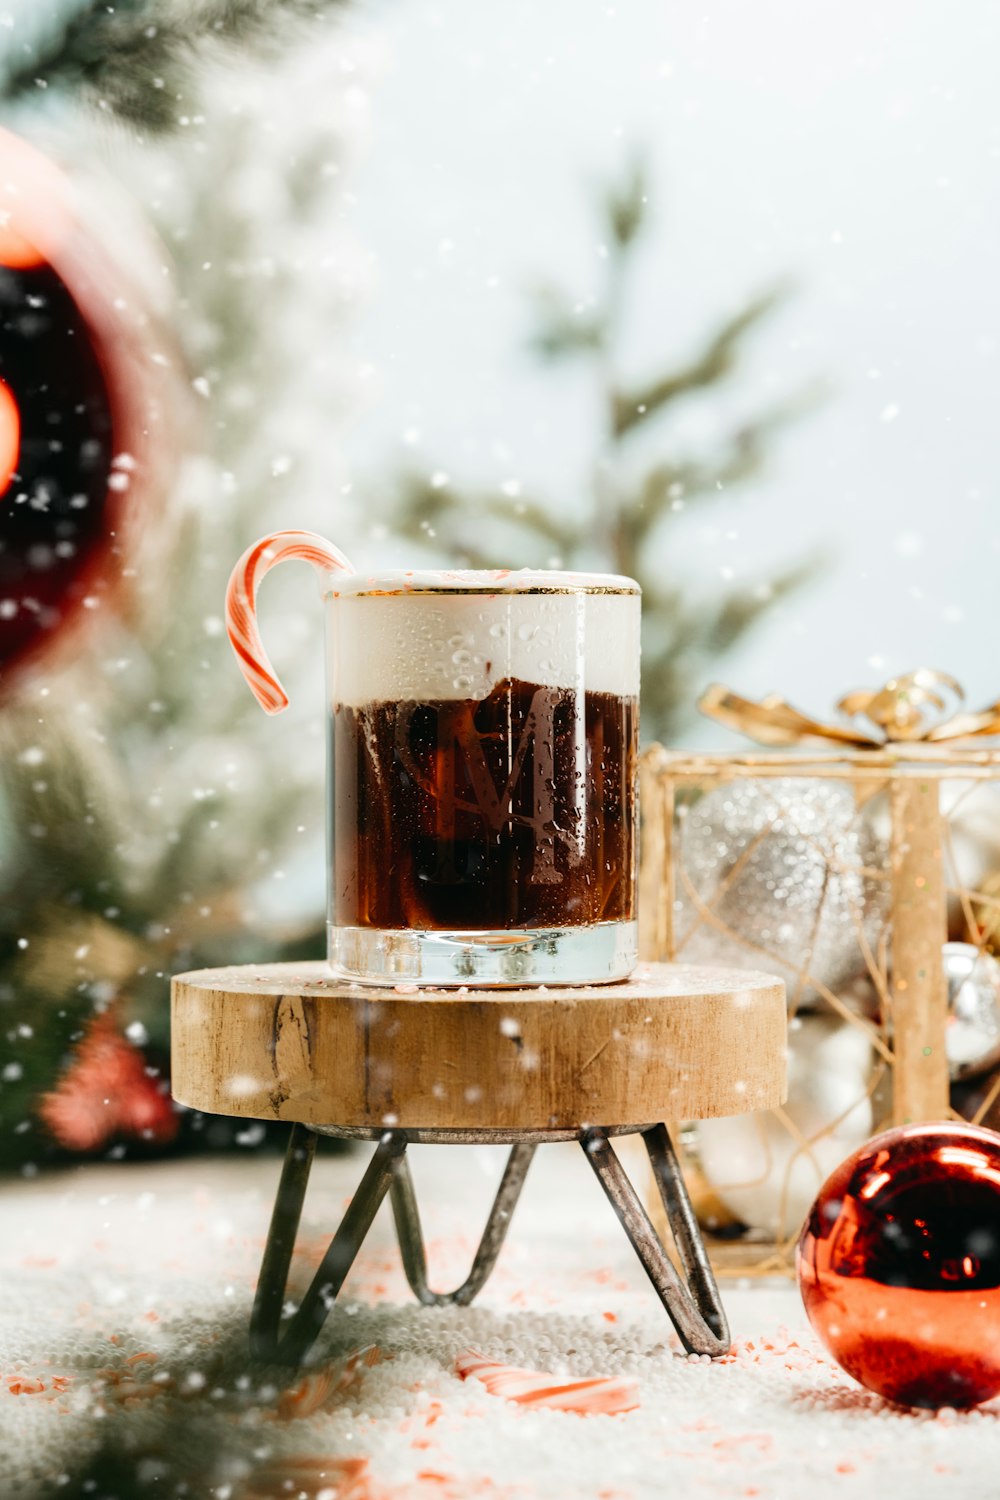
x: 388, y: 1171
x: 411, y: 1239
x: 695, y: 1309
x: 693, y: 1306
x: 290, y: 1345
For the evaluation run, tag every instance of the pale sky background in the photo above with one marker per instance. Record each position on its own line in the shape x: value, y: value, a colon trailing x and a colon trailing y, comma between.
x: 854, y: 148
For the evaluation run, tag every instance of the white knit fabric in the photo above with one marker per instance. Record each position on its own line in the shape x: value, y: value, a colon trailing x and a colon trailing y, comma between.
x: 125, y: 1297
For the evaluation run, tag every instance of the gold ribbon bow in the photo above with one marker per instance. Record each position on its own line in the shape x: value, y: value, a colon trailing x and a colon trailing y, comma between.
x: 923, y: 706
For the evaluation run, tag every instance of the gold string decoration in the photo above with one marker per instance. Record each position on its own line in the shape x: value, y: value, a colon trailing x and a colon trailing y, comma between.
x: 921, y: 707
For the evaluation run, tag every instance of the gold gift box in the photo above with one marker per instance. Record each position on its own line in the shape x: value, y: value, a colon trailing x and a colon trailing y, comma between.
x: 923, y: 770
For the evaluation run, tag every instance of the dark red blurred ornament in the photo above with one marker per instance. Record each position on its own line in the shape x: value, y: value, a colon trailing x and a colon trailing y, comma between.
x: 899, y: 1265
x: 77, y: 406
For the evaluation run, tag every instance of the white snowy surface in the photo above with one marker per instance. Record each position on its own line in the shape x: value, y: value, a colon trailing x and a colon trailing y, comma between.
x: 112, y: 1262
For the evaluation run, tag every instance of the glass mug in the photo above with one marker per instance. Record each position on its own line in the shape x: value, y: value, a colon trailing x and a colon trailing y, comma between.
x: 483, y: 737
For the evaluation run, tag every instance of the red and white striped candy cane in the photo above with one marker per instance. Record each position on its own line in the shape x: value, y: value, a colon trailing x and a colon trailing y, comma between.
x: 533, y: 1388
x: 241, y: 604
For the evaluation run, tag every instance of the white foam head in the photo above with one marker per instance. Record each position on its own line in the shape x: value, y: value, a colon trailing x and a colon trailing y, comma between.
x: 437, y: 635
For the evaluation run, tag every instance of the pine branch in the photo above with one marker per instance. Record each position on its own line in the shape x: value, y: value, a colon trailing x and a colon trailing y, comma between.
x: 164, y: 802
x: 744, y: 607
x: 135, y: 59
x: 717, y: 360
x: 625, y: 205
x: 69, y: 804
x: 423, y: 507
x: 671, y: 484
x: 563, y: 327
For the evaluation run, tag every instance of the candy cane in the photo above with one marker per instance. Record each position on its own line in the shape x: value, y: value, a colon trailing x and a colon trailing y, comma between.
x: 241, y: 604
x: 532, y: 1388
x: 317, y: 1387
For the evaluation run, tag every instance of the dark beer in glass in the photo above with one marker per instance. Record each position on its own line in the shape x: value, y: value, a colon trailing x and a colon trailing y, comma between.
x: 483, y: 742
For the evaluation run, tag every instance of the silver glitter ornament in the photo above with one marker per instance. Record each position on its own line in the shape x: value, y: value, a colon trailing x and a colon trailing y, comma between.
x: 972, y: 1040
x: 779, y: 873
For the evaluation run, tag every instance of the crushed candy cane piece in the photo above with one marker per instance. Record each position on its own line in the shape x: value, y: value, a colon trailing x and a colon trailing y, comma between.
x: 536, y: 1388
x: 317, y: 1387
x: 308, y: 1478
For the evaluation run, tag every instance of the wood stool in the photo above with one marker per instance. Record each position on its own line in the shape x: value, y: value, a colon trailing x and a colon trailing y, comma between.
x: 401, y: 1065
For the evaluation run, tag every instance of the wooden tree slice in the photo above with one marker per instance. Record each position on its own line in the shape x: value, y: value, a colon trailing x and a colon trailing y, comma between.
x: 292, y: 1042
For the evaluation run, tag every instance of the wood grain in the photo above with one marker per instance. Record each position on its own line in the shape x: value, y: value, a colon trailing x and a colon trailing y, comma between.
x: 919, y: 929
x: 656, y: 862
x: 291, y: 1042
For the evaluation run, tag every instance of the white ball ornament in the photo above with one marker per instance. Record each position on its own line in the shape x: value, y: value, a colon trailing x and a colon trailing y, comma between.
x: 768, y: 1174
x: 972, y: 1038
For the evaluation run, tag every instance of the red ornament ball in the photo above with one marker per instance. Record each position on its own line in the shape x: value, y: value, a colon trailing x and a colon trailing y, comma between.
x: 81, y: 406
x: 899, y: 1265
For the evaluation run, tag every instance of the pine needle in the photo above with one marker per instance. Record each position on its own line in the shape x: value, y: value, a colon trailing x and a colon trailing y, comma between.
x: 136, y: 59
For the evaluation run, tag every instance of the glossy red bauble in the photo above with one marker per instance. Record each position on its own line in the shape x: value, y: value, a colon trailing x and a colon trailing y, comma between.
x: 899, y: 1265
